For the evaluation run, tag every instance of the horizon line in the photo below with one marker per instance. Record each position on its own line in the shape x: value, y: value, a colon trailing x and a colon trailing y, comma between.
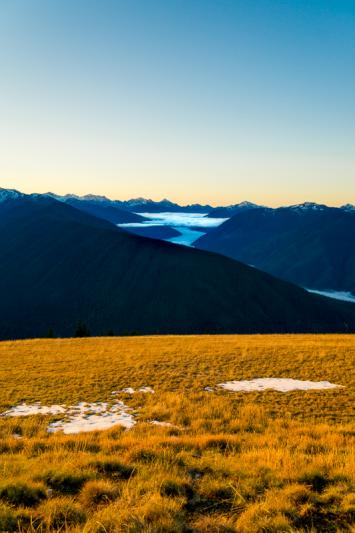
x: 175, y: 202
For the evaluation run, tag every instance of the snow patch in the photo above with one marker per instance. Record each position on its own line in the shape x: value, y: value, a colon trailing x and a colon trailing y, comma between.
x: 93, y: 417
x: 308, y: 206
x: 278, y: 384
x: 348, y: 207
x: 9, y: 194
x: 35, y: 409
x: 131, y: 390
x: 163, y: 424
x: 79, y: 418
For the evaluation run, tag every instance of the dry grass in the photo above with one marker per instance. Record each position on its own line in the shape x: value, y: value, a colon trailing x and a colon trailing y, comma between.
x: 236, y: 462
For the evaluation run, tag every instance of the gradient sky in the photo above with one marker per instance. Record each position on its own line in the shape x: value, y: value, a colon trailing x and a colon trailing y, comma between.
x: 197, y: 100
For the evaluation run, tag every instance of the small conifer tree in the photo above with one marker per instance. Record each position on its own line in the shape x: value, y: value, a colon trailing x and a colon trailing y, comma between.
x: 81, y: 330
x: 50, y: 334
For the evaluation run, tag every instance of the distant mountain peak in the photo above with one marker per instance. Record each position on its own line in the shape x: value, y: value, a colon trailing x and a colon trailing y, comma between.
x: 61, y: 197
x: 166, y: 201
x: 10, y: 194
x: 308, y: 206
x: 348, y: 207
x: 87, y: 197
x: 139, y: 201
x: 147, y: 201
x: 95, y: 198
x: 246, y: 203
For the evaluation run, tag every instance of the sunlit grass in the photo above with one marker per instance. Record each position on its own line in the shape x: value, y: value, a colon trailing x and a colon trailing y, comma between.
x: 238, y: 462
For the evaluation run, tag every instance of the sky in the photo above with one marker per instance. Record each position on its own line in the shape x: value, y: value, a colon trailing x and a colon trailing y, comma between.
x: 211, y: 101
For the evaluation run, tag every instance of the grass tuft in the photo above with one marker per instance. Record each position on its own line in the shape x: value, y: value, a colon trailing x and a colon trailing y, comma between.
x: 26, y: 494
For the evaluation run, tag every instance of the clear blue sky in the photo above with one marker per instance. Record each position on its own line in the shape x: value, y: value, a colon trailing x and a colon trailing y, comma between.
x: 196, y: 100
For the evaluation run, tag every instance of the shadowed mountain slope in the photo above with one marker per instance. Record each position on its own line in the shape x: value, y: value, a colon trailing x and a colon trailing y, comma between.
x: 310, y: 244
x: 154, y: 232
x: 59, y: 266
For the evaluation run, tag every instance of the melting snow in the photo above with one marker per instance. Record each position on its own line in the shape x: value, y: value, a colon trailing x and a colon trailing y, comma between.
x: 35, y: 409
x: 130, y: 390
x: 279, y: 384
x: 163, y: 424
x: 79, y: 418
x: 84, y: 416
x: 92, y: 417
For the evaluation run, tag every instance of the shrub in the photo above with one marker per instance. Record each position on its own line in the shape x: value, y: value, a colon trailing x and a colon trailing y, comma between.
x: 316, y: 479
x: 174, y: 489
x: 157, y: 514
x: 65, y: 482
x: 348, y: 506
x: 99, y: 491
x: 23, y: 494
x: 144, y: 456
x: 213, y: 524
x: 113, y: 468
x: 60, y: 513
x: 257, y: 519
x: 8, y: 521
x: 216, y: 494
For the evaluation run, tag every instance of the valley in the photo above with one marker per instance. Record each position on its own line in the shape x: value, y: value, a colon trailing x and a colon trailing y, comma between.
x: 190, y: 226
x: 63, y: 269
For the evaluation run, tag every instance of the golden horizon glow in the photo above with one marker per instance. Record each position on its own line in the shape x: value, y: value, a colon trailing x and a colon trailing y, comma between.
x: 216, y: 102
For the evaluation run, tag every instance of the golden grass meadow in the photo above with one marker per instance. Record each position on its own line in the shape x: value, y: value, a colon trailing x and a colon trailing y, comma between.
x: 243, y: 462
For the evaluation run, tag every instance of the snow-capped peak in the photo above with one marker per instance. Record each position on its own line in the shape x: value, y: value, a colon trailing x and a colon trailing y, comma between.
x: 241, y: 206
x: 308, y: 206
x: 166, y: 201
x: 348, y: 207
x: 95, y: 198
x: 245, y: 204
x: 61, y: 198
x: 87, y: 197
x: 139, y: 201
x: 9, y: 194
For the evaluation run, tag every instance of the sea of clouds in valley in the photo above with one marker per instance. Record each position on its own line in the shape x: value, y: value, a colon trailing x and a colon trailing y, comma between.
x: 184, y: 223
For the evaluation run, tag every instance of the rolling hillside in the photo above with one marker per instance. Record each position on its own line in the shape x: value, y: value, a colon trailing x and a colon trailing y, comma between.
x: 311, y: 245
x: 195, y: 457
x: 59, y: 266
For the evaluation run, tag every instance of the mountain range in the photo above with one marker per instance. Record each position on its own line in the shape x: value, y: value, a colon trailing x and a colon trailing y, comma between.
x: 100, y: 207
x: 136, y: 205
x: 143, y: 205
x: 60, y: 265
x: 231, y: 210
x: 311, y: 245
